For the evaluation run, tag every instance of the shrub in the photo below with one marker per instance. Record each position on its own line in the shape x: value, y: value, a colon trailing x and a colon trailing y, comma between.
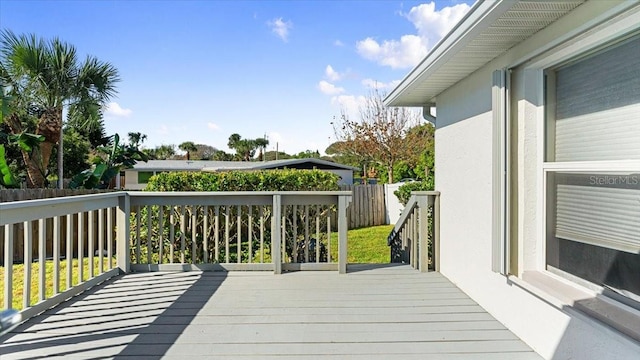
x: 192, y: 221
x: 404, y: 192
x: 267, y: 180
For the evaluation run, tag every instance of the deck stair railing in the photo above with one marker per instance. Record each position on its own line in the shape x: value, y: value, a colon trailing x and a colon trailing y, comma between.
x: 415, y: 239
x: 69, y: 244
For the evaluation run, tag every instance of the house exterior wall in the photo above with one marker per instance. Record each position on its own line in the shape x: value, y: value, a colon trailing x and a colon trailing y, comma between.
x: 463, y: 156
x: 131, y: 181
x: 346, y: 176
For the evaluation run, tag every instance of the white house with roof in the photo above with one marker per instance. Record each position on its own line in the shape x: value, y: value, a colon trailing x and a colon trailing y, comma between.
x: 538, y: 164
x: 137, y: 177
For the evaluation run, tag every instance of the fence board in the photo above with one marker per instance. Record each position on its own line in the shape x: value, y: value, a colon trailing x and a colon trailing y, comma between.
x: 367, y: 207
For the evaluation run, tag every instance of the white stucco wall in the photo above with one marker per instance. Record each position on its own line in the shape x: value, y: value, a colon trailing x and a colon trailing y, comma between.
x: 463, y: 155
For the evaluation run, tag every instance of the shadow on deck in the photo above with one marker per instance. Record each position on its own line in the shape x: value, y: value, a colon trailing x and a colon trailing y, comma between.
x: 374, y: 312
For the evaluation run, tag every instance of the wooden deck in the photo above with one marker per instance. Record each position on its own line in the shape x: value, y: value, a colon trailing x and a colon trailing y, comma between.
x: 392, y: 312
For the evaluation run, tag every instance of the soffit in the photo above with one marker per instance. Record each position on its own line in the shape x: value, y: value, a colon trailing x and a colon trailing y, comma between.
x: 481, y: 40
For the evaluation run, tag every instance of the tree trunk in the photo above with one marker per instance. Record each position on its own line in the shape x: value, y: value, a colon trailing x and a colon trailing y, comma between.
x: 390, y: 171
x: 60, y: 161
x: 35, y: 175
x: 49, y: 126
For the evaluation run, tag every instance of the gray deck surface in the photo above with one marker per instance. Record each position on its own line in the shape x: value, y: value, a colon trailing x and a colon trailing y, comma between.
x: 392, y: 312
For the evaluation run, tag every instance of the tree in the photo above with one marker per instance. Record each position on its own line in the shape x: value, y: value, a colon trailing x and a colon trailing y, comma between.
x: 76, y: 153
x: 307, y: 154
x: 381, y: 135
x: 136, y: 139
x: 113, y: 158
x: 189, y: 147
x: 204, y: 152
x: 245, y: 148
x: 261, y: 143
x: 273, y: 155
x: 162, y: 152
x: 49, y: 75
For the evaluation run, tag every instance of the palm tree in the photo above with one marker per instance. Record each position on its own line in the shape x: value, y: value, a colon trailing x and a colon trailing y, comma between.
x: 53, y: 79
x: 262, y: 144
x: 188, y: 146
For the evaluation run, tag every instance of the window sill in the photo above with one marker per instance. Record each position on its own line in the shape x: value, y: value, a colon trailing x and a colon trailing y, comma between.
x: 565, y: 295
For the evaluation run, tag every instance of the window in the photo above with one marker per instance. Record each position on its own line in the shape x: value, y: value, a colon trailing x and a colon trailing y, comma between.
x: 144, y: 176
x: 592, y: 169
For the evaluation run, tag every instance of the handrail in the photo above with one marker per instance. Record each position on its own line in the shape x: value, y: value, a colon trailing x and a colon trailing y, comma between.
x: 101, y: 231
x: 412, y: 231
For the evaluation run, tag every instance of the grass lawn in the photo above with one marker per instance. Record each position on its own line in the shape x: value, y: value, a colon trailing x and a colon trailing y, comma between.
x: 365, y: 246
x: 18, y: 279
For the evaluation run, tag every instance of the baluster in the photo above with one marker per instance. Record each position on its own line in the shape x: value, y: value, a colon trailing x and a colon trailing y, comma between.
x: 216, y: 236
x: 101, y: 239
x: 42, y: 228
x: 194, y: 234
x: 92, y: 239
x: 110, y: 237
x: 183, y: 229
x: 8, y: 266
x: 80, y: 247
x: 56, y: 255
x: 205, y: 234
x: 69, y: 249
x: 226, y: 234
x: 149, y: 233
x: 239, y: 234
x: 27, y: 261
x: 261, y: 234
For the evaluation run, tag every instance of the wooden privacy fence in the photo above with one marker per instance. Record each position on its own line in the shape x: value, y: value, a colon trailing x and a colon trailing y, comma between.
x: 367, y: 207
x: 8, y: 195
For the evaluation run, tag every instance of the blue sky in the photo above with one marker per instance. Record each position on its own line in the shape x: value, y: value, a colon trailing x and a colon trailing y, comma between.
x: 202, y: 70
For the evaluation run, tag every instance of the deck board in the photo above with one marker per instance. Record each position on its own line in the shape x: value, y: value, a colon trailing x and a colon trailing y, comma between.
x: 376, y: 313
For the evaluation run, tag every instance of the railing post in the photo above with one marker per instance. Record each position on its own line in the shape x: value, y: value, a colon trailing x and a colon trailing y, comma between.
x: 343, y: 202
x: 276, y: 239
x: 423, y: 221
x: 123, y: 213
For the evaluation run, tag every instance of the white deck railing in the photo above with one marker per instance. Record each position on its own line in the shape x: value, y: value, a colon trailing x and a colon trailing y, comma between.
x: 416, y: 237
x: 84, y: 240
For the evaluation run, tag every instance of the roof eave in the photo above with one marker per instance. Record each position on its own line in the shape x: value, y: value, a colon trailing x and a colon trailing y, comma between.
x: 480, y: 16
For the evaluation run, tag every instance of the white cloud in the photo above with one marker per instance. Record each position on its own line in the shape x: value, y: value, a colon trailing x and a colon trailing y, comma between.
x: 331, y: 74
x: 113, y: 109
x: 431, y: 26
x: 338, y: 43
x: 396, y: 54
x: 280, y: 28
x: 350, y: 104
x: 329, y: 89
x: 163, y: 130
x: 213, y: 126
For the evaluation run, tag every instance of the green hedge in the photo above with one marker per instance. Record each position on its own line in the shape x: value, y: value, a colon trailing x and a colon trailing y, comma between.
x: 404, y: 192
x: 267, y: 180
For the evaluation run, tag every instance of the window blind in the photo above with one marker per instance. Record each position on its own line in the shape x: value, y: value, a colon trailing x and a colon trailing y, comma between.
x: 597, y: 103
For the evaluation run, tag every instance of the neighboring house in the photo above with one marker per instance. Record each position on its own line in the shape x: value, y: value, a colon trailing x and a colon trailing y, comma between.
x: 538, y: 164
x: 137, y: 177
